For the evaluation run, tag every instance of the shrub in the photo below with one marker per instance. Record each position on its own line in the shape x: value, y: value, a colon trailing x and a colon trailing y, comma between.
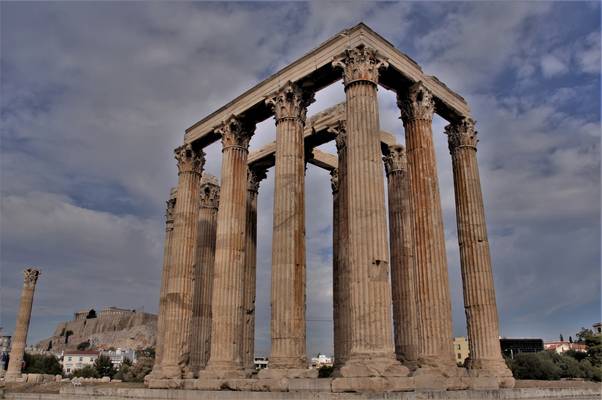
x: 84, y: 345
x: 535, y: 366
x: 129, y: 372
x: 86, y: 372
x: 104, y: 366
x: 325, y: 371
x: 42, y: 364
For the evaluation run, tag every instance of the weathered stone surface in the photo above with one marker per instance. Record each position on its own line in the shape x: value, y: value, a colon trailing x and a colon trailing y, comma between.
x: 372, y: 384
x: 30, y: 278
x: 433, y: 295
x: 289, y: 104
x: 277, y: 373
x: 228, y: 279
x: 309, y: 384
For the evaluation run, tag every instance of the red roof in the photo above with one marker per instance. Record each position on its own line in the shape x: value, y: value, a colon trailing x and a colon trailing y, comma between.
x: 81, y: 353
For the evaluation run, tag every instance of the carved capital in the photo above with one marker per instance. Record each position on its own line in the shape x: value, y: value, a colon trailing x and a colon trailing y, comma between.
x: 416, y: 103
x: 360, y: 64
x: 334, y: 180
x: 396, y: 159
x: 30, y: 277
x: 254, y: 177
x: 290, y: 102
x: 209, y: 196
x: 340, y: 131
x: 462, y: 133
x: 235, y: 133
x: 189, y: 159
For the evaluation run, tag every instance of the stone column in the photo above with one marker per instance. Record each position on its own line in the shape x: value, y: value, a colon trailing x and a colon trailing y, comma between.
x: 178, y: 298
x: 475, y: 258
x: 340, y: 278
x: 255, y: 176
x: 19, y: 338
x: 288, y: 240
x: 200, y: 335
x: 371, y: 351
x: 169, y: 219
x: 401, y: 242
x: 432, y: 287
x: 228, y: 292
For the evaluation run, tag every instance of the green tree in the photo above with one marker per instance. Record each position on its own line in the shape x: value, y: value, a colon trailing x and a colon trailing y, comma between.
x: 561, y: 338
x: 42, y: 364
x: 87, y: 371
x: 84, y: 345
x: 129, y: 372
x: 104, y: 366
x: 535, y: 366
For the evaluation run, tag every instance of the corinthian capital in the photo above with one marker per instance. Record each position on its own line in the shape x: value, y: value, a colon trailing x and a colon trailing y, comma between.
x: 254, y: 177
x: 360, y: 64
x: 416, y: 103
x: 461, y: 133
x: 340, y: 131
x: 189, y: 159
x: 396, y: 159
x: 30, y: 277
x: 209, y: 191
x: 235, y: 132
x: 290, y: 102
x: 334, y: 180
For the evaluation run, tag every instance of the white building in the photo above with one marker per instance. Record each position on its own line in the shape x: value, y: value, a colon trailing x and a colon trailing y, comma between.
x: 78, y: 359
x: 261, y: 363
x: 118, y: 356
x: 321, y: 361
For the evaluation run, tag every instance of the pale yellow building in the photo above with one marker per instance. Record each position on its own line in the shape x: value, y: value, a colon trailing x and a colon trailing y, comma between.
x: 460, y: 349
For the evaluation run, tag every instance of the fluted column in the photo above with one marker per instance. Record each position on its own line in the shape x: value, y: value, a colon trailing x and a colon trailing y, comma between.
x: 200, y: 335
x: 288, y: 240
x: 475, y: 258
x: 178, y: 298
x: 254, y: 177
x: 371, y: 351
x: 228, y: 293
x: 401, y: 242
x: 169, y: 219
x: 19, y: 338
x: 432, y: 285
x: 340, y: 270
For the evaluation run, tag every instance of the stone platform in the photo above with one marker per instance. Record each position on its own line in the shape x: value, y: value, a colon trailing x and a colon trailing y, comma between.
x: 526, y: 390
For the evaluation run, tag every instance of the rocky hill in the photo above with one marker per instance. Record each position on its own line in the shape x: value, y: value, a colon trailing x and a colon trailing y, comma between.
x: 111, y: 327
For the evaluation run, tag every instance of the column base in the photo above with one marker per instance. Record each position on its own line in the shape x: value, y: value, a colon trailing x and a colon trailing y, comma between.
x: 367, y: 365
x: 496, y: 369
x: 217, y: 371
x: 279, y: 373
x: 13, y: 377
x: 170, y: 372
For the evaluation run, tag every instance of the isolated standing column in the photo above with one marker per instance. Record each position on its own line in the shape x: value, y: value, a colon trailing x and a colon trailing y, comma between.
x: 371, y: 347
x: 475, y: 258
x: 169, y: 219
x: 23, y: 317
x: 200, y: 335
x: 402, y: 256
x: 228, y: 279
x: 178, y: 298
x: 432, y: 284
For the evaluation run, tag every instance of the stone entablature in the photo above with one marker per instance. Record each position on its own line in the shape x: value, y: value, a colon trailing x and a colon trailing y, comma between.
x: 314, y: 71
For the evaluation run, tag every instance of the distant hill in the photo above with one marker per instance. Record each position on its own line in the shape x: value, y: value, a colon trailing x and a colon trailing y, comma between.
x: 111, y: 327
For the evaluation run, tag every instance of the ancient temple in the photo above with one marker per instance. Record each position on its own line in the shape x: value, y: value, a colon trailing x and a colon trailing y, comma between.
x: 392, y: 307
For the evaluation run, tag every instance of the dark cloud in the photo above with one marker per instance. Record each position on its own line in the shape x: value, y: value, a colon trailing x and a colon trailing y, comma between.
x: 96, y: 95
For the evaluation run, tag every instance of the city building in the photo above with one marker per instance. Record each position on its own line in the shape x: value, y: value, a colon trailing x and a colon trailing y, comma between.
x: 119, y: 356
x: 561, y: 347
x: 511, y: 347
x: 321, y: 361
x: 78, y: 359
x: 597, y: 328
x: 460, y: 349
x: 4, y: 350
x: 261, y: 362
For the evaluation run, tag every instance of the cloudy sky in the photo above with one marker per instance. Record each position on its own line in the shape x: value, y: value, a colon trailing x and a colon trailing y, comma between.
x: 95, y: 96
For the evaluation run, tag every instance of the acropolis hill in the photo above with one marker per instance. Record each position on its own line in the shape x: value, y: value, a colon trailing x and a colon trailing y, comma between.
x: 110, y: 327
